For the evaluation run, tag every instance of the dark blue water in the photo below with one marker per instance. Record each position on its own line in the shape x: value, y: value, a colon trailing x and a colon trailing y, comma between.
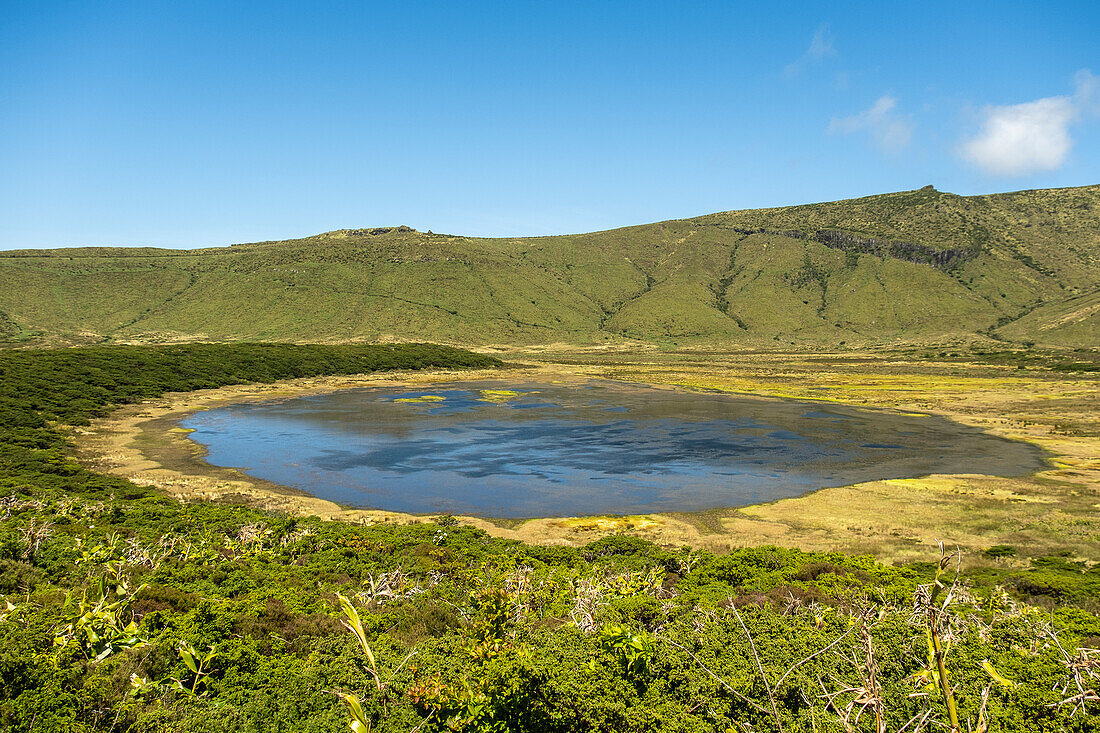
x: 598, y: 448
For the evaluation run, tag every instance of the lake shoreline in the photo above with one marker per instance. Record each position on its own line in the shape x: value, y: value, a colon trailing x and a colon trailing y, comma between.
x: 895, y: 518
x: 526, y: 448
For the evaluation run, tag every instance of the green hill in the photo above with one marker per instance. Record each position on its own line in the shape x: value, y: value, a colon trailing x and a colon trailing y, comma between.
x: 915, y: 266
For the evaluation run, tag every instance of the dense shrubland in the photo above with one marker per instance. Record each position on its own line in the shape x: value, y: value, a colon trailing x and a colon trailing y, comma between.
x: 127, y: 610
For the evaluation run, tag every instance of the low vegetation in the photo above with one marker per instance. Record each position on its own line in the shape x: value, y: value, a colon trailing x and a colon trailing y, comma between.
x: 126, y: 610
x: 143, y: 614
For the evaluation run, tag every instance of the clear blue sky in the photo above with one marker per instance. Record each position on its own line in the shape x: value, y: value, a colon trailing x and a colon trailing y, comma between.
x: 186, y: 124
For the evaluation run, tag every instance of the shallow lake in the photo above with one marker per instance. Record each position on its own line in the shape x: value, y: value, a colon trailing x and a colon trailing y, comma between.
x: 496, y: 449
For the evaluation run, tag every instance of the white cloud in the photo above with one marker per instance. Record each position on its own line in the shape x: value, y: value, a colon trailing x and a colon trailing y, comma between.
x: 889, y: 130
x: 1087, y: 96
x: 1031, y: 137
x: 821, y: 47
x: 1023, y: 138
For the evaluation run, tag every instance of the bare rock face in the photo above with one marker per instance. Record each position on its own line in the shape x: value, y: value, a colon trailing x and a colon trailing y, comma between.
x: 943, y: 259
x: 922, y: 254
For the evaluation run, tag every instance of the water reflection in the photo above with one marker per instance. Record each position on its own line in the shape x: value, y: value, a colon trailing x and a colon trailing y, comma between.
x: 521, y: 450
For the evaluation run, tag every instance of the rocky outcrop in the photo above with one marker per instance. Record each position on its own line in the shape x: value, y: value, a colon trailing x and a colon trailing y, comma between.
x: 379, y: 230
x: 943, y: 259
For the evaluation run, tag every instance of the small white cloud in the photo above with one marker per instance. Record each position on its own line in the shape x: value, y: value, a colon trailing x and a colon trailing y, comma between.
x: 1031, y: 137
x: 1023, y: 138
x: 821, y: 47
x: 1087, y: 94
x: 889, y: 130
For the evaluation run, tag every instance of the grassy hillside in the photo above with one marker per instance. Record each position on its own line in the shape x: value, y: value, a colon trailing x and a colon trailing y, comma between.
x: 916, y: 266
x: 1075, y: 321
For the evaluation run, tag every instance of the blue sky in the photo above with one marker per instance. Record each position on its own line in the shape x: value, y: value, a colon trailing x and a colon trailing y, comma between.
x: 206, y: 123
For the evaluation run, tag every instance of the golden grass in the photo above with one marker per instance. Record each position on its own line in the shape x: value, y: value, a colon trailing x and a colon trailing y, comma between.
x: 500, y: 396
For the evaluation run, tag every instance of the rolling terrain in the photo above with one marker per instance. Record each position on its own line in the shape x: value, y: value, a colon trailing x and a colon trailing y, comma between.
x: 911, y: 267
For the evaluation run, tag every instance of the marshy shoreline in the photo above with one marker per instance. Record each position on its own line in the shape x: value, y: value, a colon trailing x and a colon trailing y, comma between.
x: 894, y: 519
